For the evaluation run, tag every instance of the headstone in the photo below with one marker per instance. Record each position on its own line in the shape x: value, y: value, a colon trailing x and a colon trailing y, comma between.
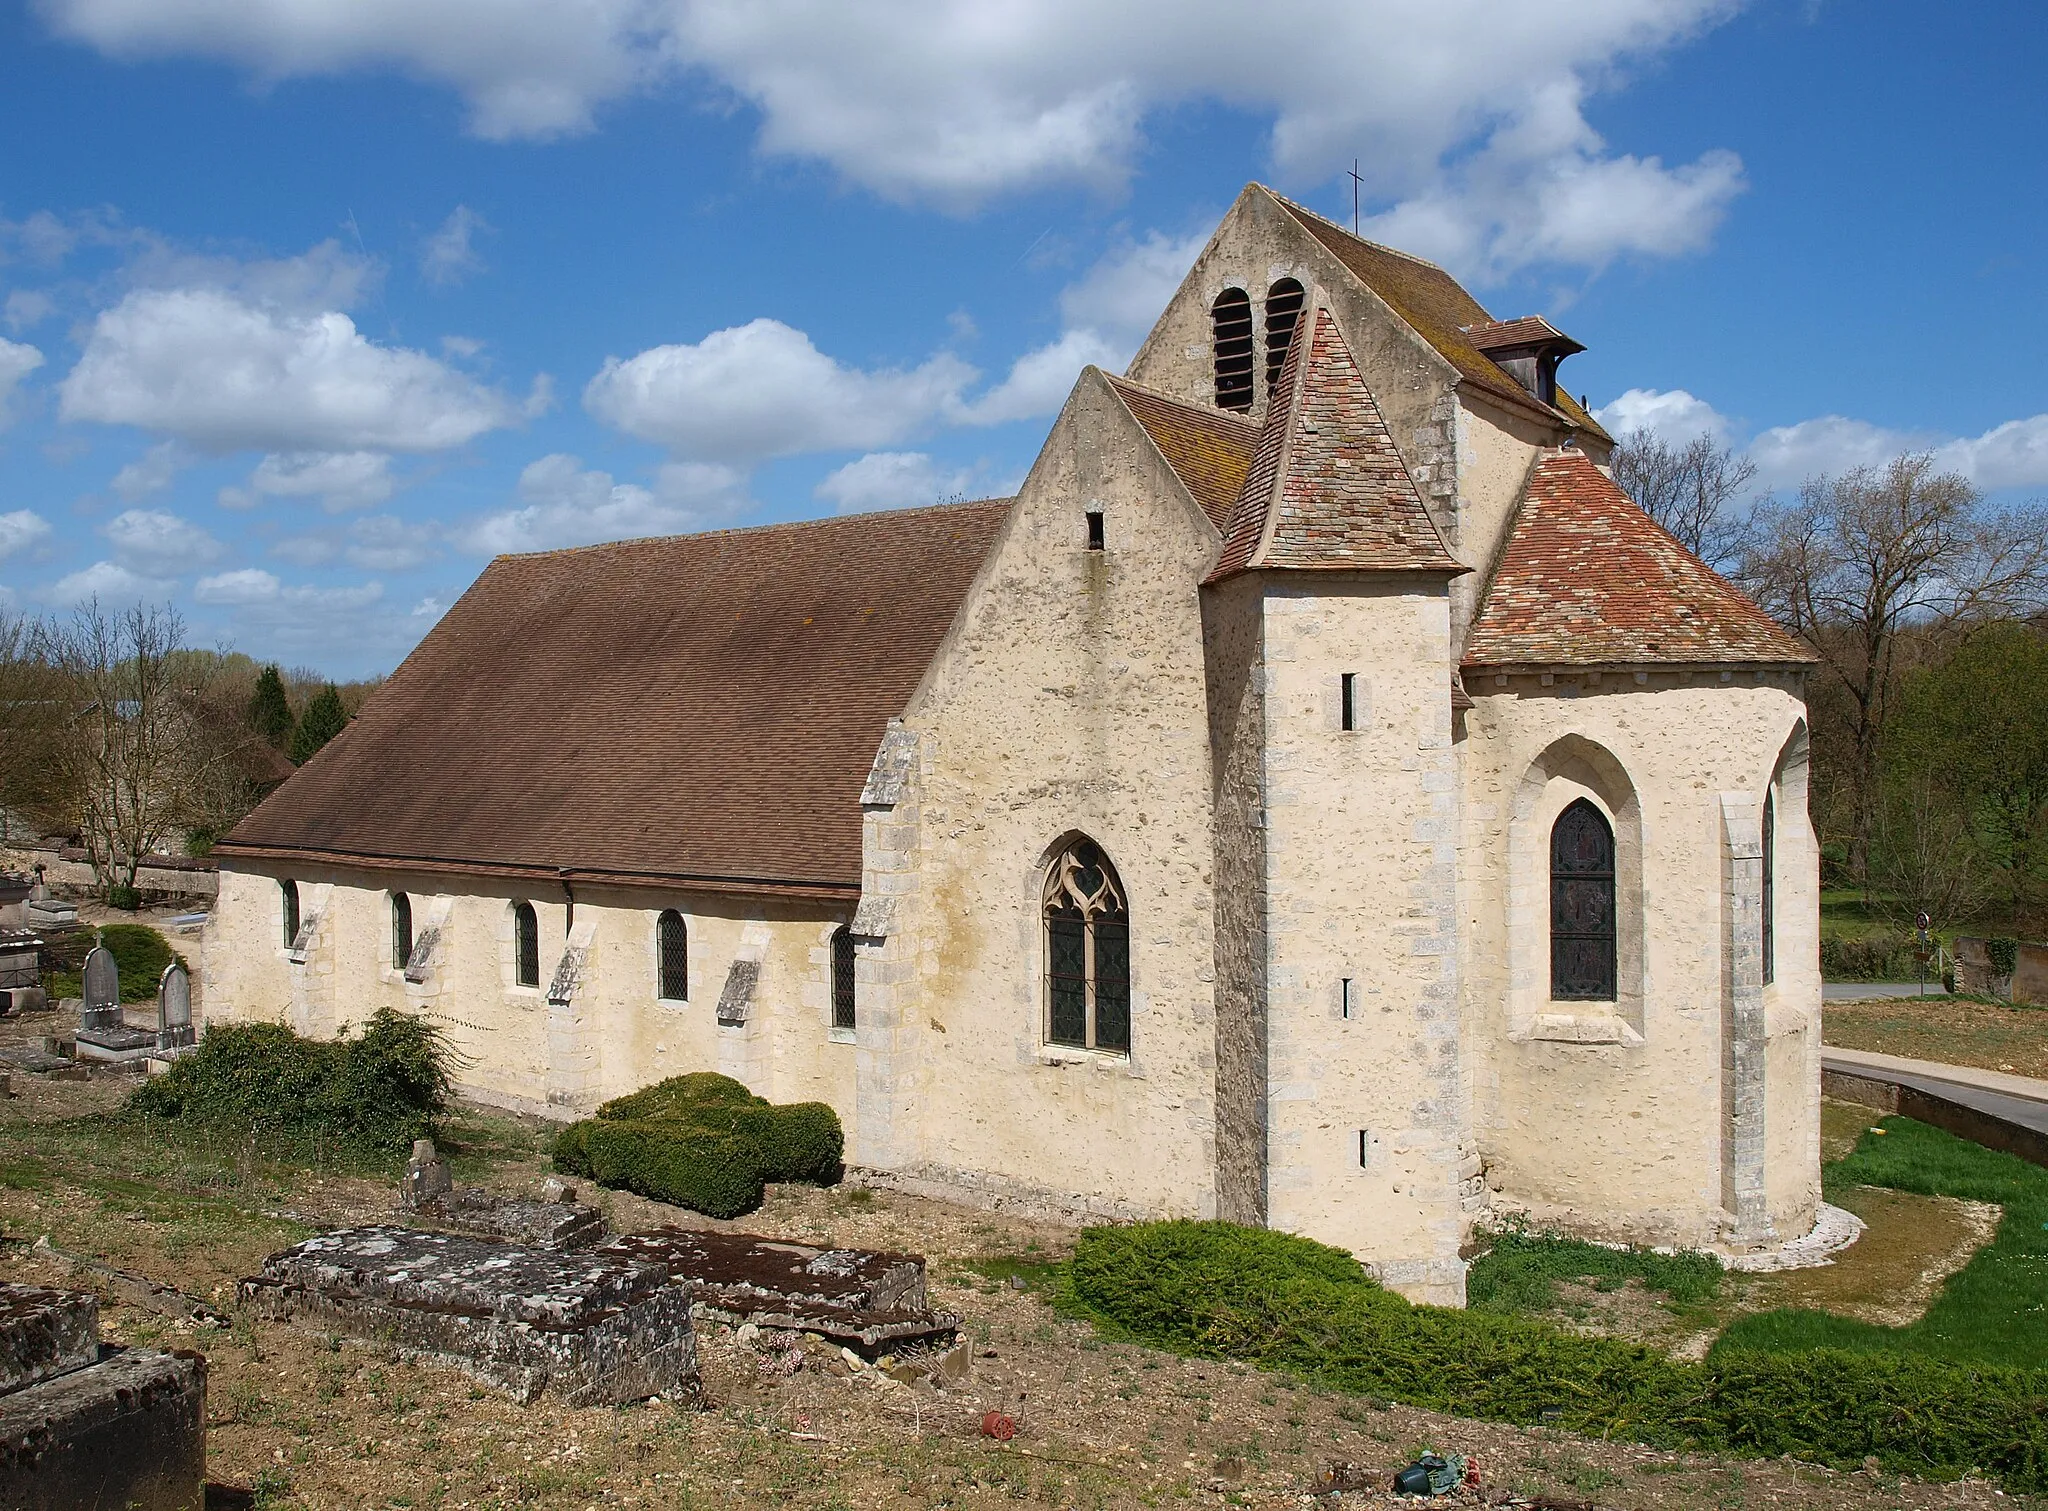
x: 174, y: 1009
x: 426, y: 1175
x: 102, y: 991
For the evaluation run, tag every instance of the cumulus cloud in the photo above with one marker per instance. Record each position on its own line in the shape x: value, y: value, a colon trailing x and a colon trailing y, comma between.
x: 563, y: 504
x: 450, y: 255
x: 159, y: 544
x: 109, y: 582
x: 953, y: 101
x: 27, y: 307
x: 152, y: 472
x: 1672, y: 413
x: 223, y: 373
x: 20, y: 530
x: 339, y: 479
x: 17, y: 360
x: 891, y: 480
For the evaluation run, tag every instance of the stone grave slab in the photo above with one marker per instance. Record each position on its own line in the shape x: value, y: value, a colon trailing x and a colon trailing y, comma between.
x: 538, y: 1224
x: 862, y: 1296
x: 45, y: 1332
x: 127, y: 1431
x: 593, y: 1329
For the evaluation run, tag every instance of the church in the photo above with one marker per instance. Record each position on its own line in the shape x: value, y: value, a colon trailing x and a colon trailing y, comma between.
x: 1319, y: 799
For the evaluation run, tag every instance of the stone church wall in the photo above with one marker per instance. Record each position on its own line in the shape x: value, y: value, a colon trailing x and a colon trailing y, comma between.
x: 1621, y: 1118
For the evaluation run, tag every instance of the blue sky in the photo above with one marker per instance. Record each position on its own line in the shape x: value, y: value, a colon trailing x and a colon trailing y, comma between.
x: 307, y: 307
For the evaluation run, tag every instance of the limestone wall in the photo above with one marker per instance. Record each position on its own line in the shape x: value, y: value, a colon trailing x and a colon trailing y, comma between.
x: 515, y: 1046
x: 1632, y: 1117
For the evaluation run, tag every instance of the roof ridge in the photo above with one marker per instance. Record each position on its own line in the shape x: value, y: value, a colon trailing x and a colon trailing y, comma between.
x: 1364, y: 241
x: 763, y: 528
x: 1194, y: 406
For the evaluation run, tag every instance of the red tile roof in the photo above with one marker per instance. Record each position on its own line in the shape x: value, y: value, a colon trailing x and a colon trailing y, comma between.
x: 1530, y: 330
x: 1438, y: 309
x: 1209, y: 449
x: 699, y: 710
x: 1327, y: 488
x: 1589, y: 579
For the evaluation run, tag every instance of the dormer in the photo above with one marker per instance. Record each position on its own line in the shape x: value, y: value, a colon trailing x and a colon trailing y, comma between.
x: 1527, y: 350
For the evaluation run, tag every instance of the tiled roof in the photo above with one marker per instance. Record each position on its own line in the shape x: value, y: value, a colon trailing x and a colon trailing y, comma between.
x: 1438, y: 309
x: 1327, y: 488
x: 1530, y: 330
x: 1209, y: 449
x: 700, y: 709
x: 1589, y: 579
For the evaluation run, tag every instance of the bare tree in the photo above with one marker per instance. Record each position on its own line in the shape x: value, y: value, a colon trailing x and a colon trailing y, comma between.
x: 1858, y: 559
x: 1687, y: 489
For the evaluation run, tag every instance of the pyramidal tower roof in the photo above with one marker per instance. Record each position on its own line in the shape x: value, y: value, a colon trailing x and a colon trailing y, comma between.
x: 1327, y: 490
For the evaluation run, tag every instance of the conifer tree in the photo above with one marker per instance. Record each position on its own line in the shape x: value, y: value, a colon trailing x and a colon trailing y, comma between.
x: 323, y: 719
x: 270, y: 715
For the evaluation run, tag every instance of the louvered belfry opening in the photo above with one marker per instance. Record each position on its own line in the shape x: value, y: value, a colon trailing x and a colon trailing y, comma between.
x: 1231, y: 315
x: 1283, y: 314
x: 1582, y: 963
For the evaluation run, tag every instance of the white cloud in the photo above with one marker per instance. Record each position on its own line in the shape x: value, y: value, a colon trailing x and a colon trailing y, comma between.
x: 1039, y: 380
x: 1672, y: 413
x: 339, y: 479
x: 1466, y: 104
x: 1122, y: 295
x: 28, y: 307
x: 157, y: 543
x: 890, y: 480
x: 762, y: 390
x: 20, y: 530
x: 449, y: 255
x: 386, y: 543
x: 109, y: 582
x: 562, y: 504
x: 1786, y: 455
x: 152, y: 472
x: 225, y: 374
x: 17, y: 361
x: 243, y: 585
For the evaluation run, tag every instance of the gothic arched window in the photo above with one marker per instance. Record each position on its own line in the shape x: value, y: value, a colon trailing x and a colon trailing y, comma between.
x: 1770, y: 940
x: 1087, y: 952
x: 672, y: 944
x: 525, y: 945
x: 288, y: 907
x: 1582, y: 965
x: 843, y: 1015
x: 1283, y: 313
x: 401, y: 930
x: 1231, y: 316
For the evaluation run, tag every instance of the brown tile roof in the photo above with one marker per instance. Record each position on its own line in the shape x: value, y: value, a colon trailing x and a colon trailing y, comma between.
x: 1530, y: 330
x: 1589, y: 579
x: 1439, y: 310
x: 1209, y: 449
x: 1327, y: 488
x: 700, y: 709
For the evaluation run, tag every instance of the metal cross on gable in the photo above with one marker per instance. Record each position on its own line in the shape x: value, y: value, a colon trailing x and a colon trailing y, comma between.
x: 1356, y: 181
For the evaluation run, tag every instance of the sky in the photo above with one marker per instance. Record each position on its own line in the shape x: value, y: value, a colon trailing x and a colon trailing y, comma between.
x: 310, y: 307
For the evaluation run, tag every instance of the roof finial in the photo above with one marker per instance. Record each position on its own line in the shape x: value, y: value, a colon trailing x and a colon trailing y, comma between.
x: 1355, y: 182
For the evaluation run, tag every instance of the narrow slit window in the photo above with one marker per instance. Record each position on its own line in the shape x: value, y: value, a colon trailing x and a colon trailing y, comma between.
x: 1283, y: 314
x: 1770, y: 898
x: 844, y: 1006
x: 672, y: 944
x: 1344, y: 998
x: 525, y: 945
x: 1231, y: 319
x: 288, y: 908
x: 1095, y: 534
x: 1582, y: 955
x: 401, y: 931
x: 1347, y: 702
x: 1087, y: 952
x: 1365, y: 1148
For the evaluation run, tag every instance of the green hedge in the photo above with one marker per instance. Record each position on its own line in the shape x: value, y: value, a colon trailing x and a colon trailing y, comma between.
x: 373, y: 1093
x: 1884, y: 955
x: 1283, y: 1302
x: 705, y: 1142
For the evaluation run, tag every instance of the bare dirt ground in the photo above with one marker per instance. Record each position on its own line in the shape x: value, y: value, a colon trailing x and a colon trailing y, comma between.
x: 1990, y: 1036
x: 307, y: 1421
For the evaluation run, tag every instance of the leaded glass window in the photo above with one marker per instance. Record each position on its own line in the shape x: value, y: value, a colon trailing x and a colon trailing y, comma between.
x: 672, y: 943
x: 1087, y: 952
x: 1582, y: 964
x: 288, y: 907
x: 401, y: 931
x: 525, y: 945
x: 843, y: 1005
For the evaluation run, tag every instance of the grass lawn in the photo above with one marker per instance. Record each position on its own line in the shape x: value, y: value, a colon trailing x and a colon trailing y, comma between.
x: 1955, y: 1030
x: 1847, y: 913
x: 1994, y: 1311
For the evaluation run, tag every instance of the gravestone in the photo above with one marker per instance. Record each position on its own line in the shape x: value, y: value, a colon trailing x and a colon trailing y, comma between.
x: 102, y: 991
x: 174, y: 1009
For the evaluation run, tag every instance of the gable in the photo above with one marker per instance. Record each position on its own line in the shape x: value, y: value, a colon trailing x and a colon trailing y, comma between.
x: 1210, y: 450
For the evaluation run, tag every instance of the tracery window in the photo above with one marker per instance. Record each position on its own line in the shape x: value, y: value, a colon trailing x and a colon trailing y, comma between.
x: 1231, y: 318
x: 288, y: 907
x: 1582, y: 963
x: 1087, y: 952
x: 1770, y: 940
x: 843, y: 1015
x: 672, y: 944
x: 525, y: 945
x: 1283, y: 313
x: 401, y: 930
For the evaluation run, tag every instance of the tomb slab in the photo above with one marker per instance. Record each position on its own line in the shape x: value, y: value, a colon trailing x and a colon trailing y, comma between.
x: 128, y: 1431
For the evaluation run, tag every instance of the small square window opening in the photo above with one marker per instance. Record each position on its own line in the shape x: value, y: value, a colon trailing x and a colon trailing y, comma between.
x: 1095, y: 529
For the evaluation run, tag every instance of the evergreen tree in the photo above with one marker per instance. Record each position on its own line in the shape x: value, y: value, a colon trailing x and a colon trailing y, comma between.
x: 323, y: 720
x: 270, y: 715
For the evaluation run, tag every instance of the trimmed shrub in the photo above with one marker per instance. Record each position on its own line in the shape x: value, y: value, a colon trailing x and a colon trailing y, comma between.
x: 1885, y: 955
x: 1212, y: 1289
x: 371, y: 1094
x: 120, y: 895
x: 705, y: 1142
x: 140, y: 954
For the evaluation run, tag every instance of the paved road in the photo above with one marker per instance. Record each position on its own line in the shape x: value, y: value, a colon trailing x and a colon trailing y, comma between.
x: 2019, y: 1101
x: 1870, y: 991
